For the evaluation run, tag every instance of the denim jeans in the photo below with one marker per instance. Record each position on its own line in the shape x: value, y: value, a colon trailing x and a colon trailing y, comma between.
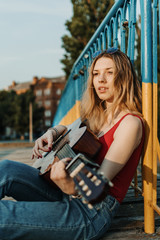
x: 42, y: 212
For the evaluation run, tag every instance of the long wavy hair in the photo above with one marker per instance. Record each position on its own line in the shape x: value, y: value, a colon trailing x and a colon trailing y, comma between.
x: 127, y: 93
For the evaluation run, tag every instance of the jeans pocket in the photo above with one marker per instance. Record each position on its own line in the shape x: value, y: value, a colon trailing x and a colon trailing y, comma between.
x: 111, y: 204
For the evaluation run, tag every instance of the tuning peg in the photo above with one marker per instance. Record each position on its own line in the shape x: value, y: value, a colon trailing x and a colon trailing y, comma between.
x: 89, y: 174
x: 101, y: 174
x: 84, y: 200
x: 90, y: 206
x: 94, y: 178
x: 98, y: 182
x: 88, y: 193
x: 81, y: 183
x: 85, y: 188
x: 110, y: 184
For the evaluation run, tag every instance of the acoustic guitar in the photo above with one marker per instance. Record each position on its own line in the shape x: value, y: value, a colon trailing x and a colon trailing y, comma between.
x: 82, y: 146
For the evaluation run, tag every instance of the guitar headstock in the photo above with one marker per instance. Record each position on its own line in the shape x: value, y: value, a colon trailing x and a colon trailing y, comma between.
x: 91, y: 185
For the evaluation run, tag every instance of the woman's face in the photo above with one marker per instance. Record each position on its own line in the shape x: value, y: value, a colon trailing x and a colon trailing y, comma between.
x: 103, y: 79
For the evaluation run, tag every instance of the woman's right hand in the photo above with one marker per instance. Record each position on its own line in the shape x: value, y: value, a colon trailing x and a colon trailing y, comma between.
x: 44, y: 143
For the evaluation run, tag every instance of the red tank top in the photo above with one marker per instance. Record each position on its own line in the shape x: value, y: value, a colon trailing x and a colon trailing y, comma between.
x: 123, y: 179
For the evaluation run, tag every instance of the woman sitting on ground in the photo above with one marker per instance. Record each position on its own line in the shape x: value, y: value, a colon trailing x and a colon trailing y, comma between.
x: 111, y: 107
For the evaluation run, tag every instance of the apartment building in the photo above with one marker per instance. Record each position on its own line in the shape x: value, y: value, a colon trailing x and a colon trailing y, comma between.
x: 47, y: 91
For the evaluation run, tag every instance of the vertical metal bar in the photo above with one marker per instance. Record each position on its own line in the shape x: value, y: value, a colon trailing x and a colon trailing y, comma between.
x: 159, y: 21
x: 123, y: 33
x: 99, y: 43
x: 129, y: 28
x: 106, y: 36
x: 95, y: 47
x: 109, y: 37
x: 119, y: 22
x: 103, y: 36
x: 155, y: 101
x: 30, y: 122
x: 133, y: 22
x: 115, y: 29
x: 146, y: 71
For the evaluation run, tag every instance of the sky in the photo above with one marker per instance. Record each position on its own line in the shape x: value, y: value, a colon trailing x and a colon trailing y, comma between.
x: 30, y: 39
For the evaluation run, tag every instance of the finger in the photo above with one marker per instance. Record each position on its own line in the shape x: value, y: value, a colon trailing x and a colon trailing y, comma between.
x: 66, y: 160
x: 50, y: 141
x: 41, y: 147
x: 34, y: 154
x: 36, y: 150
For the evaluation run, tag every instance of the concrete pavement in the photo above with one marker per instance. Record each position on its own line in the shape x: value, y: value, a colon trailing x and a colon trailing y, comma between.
x: 21, y: 154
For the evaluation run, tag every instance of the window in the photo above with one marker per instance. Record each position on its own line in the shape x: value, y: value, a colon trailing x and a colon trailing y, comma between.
x: 38, y: 93
x: 58, y: 92
x: 47, y: 123
x: 47, y: 103
x: 47, y: 91
x: 47, y: 113
x: 39, y: 103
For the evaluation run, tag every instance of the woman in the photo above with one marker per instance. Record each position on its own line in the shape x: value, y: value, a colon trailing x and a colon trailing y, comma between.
x: 111, y: 107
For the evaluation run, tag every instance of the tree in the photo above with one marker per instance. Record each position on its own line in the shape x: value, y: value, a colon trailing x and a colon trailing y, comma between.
x: 87, y: 16
x: 14, y: 112
x: 7, y: 110
x: 21, y: 118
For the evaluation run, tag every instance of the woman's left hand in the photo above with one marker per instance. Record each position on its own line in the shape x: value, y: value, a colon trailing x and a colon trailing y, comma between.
x: 61, y: 178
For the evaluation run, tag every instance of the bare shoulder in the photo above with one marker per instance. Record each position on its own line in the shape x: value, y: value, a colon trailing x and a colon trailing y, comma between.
x: 130, y: 127
x: 132, y: 120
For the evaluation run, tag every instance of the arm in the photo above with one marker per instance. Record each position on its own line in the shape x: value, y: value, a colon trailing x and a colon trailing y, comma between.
x: 126, y: 138
x: 58, y: 174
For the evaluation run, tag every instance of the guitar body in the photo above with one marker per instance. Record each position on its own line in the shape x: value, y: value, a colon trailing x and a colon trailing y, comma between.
x: 82, y: 146
x: 80, y: 139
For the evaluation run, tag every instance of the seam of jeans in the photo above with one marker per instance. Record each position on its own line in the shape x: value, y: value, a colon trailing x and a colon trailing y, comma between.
x: 42, y: 227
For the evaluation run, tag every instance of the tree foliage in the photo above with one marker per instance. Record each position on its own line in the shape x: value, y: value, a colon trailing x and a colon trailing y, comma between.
x: 7, y: 106
x: 14, y: 112
x: 87, y: 16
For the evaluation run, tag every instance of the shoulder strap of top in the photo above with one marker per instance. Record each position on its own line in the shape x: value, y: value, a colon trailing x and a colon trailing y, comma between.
x: 112, y: 130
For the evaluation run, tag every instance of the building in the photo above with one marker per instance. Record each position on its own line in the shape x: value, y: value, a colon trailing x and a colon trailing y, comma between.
x: 47, y: 92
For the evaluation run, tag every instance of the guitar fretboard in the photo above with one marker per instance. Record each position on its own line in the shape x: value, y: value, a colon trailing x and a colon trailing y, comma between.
x: 66, y: 151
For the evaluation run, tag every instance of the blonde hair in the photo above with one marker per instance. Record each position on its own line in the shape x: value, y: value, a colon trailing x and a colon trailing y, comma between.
x: 127, y: 97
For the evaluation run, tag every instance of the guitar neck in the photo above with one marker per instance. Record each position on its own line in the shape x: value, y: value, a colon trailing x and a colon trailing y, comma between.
x: 76, y: 163
x: 65, y: 151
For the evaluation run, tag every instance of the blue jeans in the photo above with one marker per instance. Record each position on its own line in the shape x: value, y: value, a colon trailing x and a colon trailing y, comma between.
x: 42, y: 212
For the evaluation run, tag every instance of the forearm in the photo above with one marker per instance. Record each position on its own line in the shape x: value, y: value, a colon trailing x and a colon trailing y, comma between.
x: 110, y: 168
x: 57, y: 131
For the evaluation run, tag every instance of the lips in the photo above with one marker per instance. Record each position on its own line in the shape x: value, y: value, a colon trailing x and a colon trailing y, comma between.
x: 102, y: 89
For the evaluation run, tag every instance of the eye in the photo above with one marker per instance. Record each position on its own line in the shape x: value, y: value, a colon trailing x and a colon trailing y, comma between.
x: 95, y: 73
x: 110, y: 72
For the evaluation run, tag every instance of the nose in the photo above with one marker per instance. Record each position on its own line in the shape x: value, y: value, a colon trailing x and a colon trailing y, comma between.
x: 102, y: 78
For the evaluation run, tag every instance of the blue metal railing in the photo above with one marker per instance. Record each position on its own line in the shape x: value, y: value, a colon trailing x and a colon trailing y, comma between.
x: 111, y: 32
